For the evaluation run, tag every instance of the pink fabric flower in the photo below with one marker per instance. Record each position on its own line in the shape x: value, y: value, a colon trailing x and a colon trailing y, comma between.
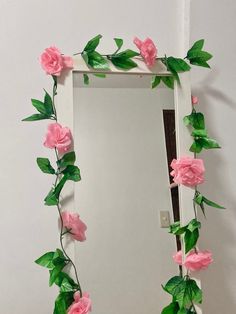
x: 194, y: 100
x: 147, y: 50
x: 77, y: 227
x: 53, y: 62
x: 188, y: 171
x: 80, y: 305
x: 194, y: 261
x: 58, y: 137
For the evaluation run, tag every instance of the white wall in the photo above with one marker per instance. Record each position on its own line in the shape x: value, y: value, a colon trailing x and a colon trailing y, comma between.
x: 215, y: 21
x: 27, y: 228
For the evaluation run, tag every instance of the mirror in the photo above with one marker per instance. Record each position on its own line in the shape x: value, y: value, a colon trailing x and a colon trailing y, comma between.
x: 124, y: 138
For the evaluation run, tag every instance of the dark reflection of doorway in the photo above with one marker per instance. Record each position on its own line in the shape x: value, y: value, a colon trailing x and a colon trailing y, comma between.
x: 169, y: 127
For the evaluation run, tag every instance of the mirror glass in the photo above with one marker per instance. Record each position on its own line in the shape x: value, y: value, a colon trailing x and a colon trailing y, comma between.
x: 121, y: 143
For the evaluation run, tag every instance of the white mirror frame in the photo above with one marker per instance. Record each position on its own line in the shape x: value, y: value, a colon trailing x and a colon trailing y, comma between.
x: 183, y: 106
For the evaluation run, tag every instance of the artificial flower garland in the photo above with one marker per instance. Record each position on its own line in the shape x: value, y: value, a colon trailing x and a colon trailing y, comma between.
x: 186, y: 170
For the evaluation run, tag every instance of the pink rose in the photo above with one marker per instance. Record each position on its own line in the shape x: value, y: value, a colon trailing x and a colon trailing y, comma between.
x: 194, y: 261
x: 147, y: 50
x: 80, y: 305
x: 77, y: 227
x: 194, y: 100
x: 188, y: 171
x: 53, y: 62
x: 58, y: 137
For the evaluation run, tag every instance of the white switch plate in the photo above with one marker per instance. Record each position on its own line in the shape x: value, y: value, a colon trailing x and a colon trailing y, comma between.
x: 164, y: 218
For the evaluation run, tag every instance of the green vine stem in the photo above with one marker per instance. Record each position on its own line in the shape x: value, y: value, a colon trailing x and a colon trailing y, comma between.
x: 59, y: 205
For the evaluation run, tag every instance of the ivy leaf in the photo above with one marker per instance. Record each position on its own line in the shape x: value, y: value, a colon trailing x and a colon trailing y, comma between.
x: 196, y: 147
x: 46, y: 260
x: 126, y: 54
x: 92, y: 44
x: 212, y: 204
x: 197, y: 56
x: 48, y: 103
x: 168, y: 81
x: 97, y: 61
x: 66, y: 286
x: 156, y: 80
x: 72, y: 173
x: 199, y: 133
x: 196, y: 120
x: 62, y: 303
x: 172, y: 308
x: 55, y: 272
x: 39, y: 105
x: 119, y: 43
x: 209, y: 143
x: 175, y: 65
x: 86, y: 79
x: 123, y: 63
x: 176, y: 229
x: 190, y: 239
x: 53, y: 196
x: 193, y: 225
x: 36, y: 116
x: 66, y: 160
x: 45, y: 166
x: 64, y: 276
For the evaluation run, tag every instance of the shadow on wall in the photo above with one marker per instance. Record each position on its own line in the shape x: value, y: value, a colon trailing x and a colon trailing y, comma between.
x: 218, y: 229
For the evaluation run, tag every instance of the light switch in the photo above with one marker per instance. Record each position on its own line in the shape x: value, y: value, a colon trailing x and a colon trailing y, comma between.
x: 164, y: 218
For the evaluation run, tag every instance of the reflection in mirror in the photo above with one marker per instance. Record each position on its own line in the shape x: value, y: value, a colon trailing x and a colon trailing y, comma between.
x: 122, y: 147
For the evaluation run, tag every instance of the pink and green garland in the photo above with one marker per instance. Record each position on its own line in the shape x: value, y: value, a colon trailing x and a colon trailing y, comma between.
x: 187, y: 171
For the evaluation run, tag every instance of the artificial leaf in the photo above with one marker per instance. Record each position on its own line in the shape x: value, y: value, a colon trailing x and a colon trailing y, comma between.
x: 48, y: 103
x: 62, y: 303
x: 119, y: 43
x: 197, y: 56
x: 46, y: 260
x: 45, y: 166
x: 86, y: 79
x: 172, y: 308
x: 168, y: 81
x: 36, y: 116
x: 53, y: 196
x: 193, y: 225
x: 64, y: 276
x: 190, y: 239
x: 198, y: 45
x: 39, y: 105
x: 155, y: 81
x: 101, y: 75
x: 182, y: 311
x: 196, y: 147
x: 123, y: 63
x: 66, y: 160
x: 173, y: 285
x: 72, y: 172
x: 126, y: 54
x: 92, y: 43
x: 66, y: 286
x: 199, y: 133
x: 176, y: 229
x: 212, y: 204
x: 196, y: 120
x: 97, y: 61
x: 209, y: 143
x: 55, y: 272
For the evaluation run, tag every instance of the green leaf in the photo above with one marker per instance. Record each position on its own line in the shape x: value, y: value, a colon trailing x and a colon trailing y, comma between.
x: 46, y: 260
x: 196, y: 120
x: 168, y: 81
x: 86, y: 79
x: 123, y: 63
x: 210, y: 203
x: 36, y: 116
x: 199, y: 133
x: 182, y: 311
x: 199, y: 62
x: 199, y: 55
x: 48, y: 103
x: 53, y: 196
x: 193, y: 225
x: 72, y: 173
x: 126, y: 54
x: 172, y: 308
x: 176, y: 229
x: 193, y: 291
x: 66, y: 160
x: 45, y: 166
x: 198, y: 45
x: 177, y: 64
x: 59, y: 258
x: 62, y: 303
x: 156, y: 80
x: 66, y: 286
x: 174, y: 285
x: 55, y: 272
x: 209, y: 143
x: 196, y: 147
x: 64, y: 276
x: 39, y: 105
x: 97, y: 61
x: 100, y: 75
x: 190, y: 239
x: 119, y: 43
x: 93, y: 43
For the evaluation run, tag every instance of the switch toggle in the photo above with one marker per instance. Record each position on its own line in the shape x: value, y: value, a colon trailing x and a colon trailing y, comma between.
x: 164, y: 218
